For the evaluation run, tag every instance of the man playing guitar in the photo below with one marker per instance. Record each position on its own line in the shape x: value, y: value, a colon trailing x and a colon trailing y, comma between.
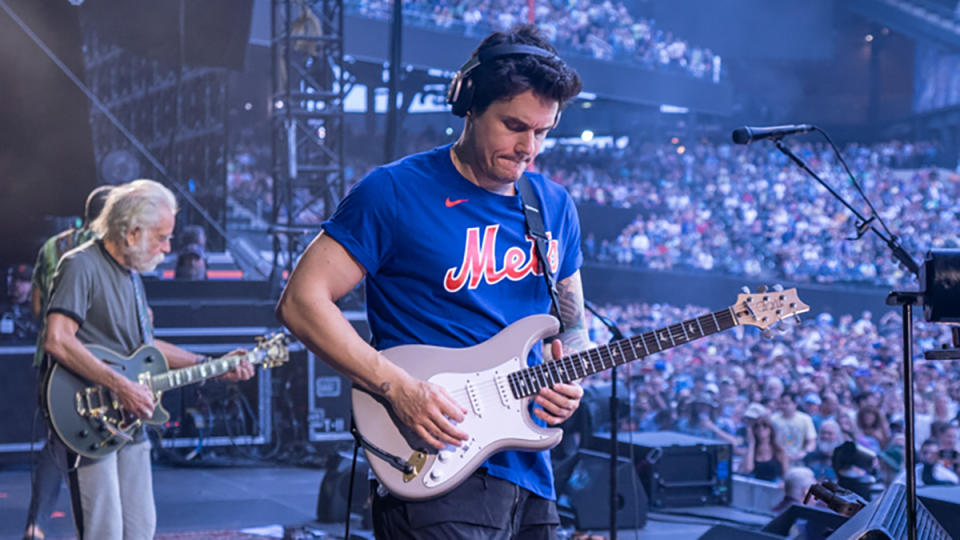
x: 97, y: 299
x: 440, y: 238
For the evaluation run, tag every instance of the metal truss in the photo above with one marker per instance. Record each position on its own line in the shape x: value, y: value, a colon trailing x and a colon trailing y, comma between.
x: 307, y: 111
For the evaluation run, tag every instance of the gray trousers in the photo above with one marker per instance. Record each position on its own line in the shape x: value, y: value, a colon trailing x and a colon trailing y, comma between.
x: 112, y: 497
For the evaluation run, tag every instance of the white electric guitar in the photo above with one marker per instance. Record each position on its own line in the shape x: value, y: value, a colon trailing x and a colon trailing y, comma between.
x: 493, y: 381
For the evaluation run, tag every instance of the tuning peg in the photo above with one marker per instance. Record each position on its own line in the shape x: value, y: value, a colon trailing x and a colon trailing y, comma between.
x: 745, y: 289
x: 768, y: 333
x: 782, y: 329
x: 778, y: 287
x: 762, y: 289
x: 796, y: 317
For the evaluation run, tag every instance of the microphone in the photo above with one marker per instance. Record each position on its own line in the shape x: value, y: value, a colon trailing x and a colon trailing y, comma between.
x: 747, y: 134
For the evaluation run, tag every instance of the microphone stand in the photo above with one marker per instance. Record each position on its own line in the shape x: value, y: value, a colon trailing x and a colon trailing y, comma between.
x: 614, y: 406
x: 905, y: 299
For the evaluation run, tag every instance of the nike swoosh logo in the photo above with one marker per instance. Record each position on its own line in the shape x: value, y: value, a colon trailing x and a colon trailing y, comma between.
x: 451, y: 204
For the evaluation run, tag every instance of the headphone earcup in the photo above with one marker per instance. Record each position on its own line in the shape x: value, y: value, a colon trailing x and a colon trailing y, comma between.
x: 461, y: 96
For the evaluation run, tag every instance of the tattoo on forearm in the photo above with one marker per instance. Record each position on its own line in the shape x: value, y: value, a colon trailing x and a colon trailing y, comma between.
x: 384, y: 387
x: 570, y: 293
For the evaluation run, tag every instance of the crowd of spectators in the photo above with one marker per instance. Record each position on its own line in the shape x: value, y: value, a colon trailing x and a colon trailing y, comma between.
x: 794, y: 399
x: 602, y: 30
x: 749, y: 211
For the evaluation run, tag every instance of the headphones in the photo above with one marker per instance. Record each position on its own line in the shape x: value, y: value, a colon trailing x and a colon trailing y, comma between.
x: 460, y: 93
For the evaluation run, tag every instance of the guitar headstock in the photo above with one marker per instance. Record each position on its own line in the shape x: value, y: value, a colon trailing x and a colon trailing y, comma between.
x: 765, y: 308
x: 271, y: 351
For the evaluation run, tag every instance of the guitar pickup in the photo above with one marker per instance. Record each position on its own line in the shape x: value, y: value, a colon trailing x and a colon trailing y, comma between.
x: 474, y: 397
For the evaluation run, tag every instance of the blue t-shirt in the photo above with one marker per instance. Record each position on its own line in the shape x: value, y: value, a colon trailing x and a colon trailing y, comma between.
x: 450, y: 264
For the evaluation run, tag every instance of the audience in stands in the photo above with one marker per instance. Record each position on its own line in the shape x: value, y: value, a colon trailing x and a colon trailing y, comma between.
x: 820, y: 459
x: 795, y: 431
x: 765, y: 458
x: 748, y: 211
x: 732, y: 380
x: 601, y: 30
x: 795, y: 485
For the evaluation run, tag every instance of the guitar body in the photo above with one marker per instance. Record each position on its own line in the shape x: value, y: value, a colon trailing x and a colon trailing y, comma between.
x: 79, y: 410
x: 476, y: 378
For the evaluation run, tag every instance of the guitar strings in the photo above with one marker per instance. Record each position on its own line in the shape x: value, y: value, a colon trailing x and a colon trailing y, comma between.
x: 542, y: 375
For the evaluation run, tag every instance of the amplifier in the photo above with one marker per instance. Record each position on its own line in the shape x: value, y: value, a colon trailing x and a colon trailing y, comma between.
x: 19, y: 401
x: 328, y: 402
x: 676, y: 469
x: 218, y: 414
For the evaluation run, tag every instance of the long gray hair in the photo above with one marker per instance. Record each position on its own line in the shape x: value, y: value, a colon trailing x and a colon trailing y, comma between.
x: 129, y: 206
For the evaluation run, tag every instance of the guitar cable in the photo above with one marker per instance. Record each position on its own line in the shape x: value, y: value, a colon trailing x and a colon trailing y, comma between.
x: 353, y: 473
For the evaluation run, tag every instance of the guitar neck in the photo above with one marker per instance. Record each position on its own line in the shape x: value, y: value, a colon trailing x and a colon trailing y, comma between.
x: 175, y: 378
x: 528, y: 381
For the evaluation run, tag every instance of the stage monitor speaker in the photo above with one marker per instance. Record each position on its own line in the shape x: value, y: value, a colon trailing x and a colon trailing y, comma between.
x: 335, y: 487
x: 588, y: 491
x: 944, y: 503
x: 729, y: 532
x: 885, y: 518
x: 677, y: 469
x: 820, y: 523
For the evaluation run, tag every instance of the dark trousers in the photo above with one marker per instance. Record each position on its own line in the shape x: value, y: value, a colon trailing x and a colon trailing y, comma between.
x: 46, y: 477
x: 44, y: 487
x: 483, y: 507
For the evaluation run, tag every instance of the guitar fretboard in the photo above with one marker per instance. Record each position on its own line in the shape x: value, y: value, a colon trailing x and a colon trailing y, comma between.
x: 528, y: 381
x: 175, y: 378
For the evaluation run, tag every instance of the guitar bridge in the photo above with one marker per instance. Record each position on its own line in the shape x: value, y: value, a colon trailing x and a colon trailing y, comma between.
x: 92, y: 403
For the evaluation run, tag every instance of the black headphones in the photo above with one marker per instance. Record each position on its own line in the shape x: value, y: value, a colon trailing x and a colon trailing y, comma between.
x: 460, y: 93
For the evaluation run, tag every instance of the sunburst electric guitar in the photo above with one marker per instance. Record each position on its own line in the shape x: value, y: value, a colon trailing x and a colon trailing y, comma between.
x: 89, y: 419
x: 493, y: 382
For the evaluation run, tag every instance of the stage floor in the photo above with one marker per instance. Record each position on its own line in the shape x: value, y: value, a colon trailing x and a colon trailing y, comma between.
x: 227, y: 503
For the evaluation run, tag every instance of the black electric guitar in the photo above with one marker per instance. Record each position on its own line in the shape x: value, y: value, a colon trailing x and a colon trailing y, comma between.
x: 89, y: 419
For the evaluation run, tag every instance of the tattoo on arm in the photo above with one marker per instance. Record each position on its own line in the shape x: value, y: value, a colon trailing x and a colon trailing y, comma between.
x: 570, y: 293
x: 385, y: 387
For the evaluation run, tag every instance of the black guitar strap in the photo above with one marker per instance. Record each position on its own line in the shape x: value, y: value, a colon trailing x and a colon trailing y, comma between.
x: 535, y: 228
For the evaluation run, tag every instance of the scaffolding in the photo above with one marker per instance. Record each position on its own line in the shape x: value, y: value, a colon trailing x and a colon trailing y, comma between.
x: 307, y: 113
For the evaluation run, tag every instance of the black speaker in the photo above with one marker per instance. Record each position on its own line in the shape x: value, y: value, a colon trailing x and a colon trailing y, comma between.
x: 335, y: 488
x: 729, y: 532
x: 944, y: 503
x: 885, y: 518
x: 677, y: 469
x: 820, y: 523
x: 588, y: 490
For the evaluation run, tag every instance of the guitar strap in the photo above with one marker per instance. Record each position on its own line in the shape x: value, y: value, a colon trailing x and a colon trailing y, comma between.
x: 536, y: 230
x: 143, y: 317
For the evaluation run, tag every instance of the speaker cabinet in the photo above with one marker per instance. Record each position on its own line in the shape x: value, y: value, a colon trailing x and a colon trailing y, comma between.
x: 588, y: 492
x: 885, y: 518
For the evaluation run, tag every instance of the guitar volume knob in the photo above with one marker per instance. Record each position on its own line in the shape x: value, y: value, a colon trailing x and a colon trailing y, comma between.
x: 443, y: 457
x: 83, y: 433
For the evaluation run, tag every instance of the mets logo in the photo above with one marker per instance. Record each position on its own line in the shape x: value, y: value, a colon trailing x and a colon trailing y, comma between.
x: 480, y: 261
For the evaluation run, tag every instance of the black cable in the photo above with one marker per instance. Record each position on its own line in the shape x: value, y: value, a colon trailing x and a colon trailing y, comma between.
x: 353, y: 472
x: 855, y: 182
